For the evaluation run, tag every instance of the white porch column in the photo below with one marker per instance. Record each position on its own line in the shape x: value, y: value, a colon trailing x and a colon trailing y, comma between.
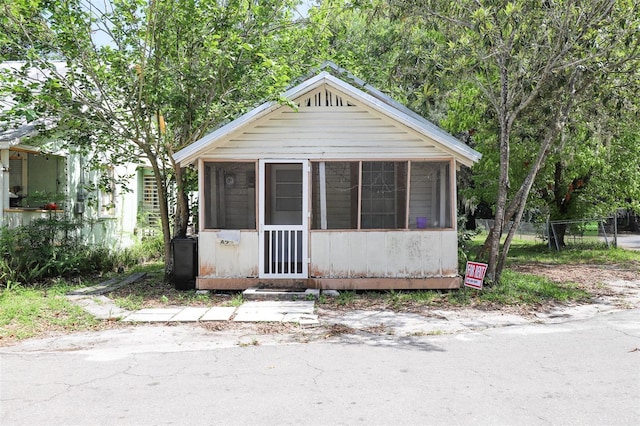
x: 323, y: 196
x: 444, y: 195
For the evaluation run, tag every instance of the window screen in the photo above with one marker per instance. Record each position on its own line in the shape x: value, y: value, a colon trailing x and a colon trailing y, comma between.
x: 229, y: 195
x: 384, y: 190
x: 335, y: 195
x: 383, y: 195
x: 430, y: 199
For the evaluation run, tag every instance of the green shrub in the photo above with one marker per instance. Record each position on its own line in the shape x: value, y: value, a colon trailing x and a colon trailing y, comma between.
x: 44, y: 248
x: 465, y: 245
x: 53, y: 247
x: 148, y: 249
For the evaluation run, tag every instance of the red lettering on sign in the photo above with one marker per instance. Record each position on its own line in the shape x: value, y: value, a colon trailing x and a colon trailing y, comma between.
x: 474, y: 275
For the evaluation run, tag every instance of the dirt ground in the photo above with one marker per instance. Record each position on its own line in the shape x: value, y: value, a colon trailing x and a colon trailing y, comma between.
x: 615, y: 285
x: 595, y: 279
x: 591, y: 278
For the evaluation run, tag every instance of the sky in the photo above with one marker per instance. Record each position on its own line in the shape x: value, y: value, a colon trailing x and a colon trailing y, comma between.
x: 101, y: 38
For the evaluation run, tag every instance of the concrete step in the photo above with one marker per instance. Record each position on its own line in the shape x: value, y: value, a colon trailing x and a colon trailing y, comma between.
x: 268, y: 293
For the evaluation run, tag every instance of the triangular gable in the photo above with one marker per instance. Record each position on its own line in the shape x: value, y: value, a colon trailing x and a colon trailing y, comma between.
x: 325, y: 97
x: 327, y: 90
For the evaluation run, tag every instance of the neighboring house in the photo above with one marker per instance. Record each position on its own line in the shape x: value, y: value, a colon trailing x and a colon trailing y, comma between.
x: 350, y: 190
x: 39, y: 179
x: 37, y: 183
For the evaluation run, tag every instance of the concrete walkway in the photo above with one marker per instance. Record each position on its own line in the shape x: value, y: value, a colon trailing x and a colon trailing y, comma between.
x: 93, y: 300
x: 301, y: 312
x: 624, y: 295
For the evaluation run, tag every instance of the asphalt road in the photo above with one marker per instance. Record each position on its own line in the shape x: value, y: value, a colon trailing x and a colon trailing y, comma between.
x: 629, y: 241
x: 577, y: 372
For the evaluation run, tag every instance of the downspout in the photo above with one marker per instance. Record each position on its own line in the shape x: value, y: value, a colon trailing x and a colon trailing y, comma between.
x: 78, y: 208
x: 4, y: 183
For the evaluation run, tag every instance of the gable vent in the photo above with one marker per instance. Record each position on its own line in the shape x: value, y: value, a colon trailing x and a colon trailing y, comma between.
x: 326, y: 98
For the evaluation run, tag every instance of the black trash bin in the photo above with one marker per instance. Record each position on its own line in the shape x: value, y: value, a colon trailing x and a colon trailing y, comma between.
x: 185, y: 262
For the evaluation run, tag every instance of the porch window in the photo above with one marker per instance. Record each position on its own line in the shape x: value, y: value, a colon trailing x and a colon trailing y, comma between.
x: 229, y: 195
x: 373, y: 195
x: 384, y: 195
x: 35, y: 176
x: 430, y: 199
x: 335, y: 186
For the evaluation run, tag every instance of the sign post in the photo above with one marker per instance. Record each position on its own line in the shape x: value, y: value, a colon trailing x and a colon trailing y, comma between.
x: 474, y: 275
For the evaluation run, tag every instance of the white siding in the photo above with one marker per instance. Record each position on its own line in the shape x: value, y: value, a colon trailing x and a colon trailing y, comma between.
x: 348, y: 131
x: 327, y: 127
x: 384, y: 254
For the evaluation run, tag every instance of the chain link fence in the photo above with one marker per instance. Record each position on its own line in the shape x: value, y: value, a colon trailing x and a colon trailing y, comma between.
x: 564, y: 233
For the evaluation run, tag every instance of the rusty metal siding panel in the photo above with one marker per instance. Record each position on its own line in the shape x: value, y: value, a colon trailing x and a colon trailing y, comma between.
x: 377, y: 255
x: 414, y: 254
x: 359, y: 253
x: 432, y: 253
x: 218, y: 261
x: 344, y: 254
x: 449, y: 243
x: 388, y: 254
x: 340, y: 255
x: 397, y: 262
x: 320, y: 249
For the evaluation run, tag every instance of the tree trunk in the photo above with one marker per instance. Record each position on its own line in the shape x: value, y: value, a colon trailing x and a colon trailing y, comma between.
x: 519, y: 202
x: 182, y: 204
x: 556, y: 235
x: 164, y: 210
x: 493, y: 239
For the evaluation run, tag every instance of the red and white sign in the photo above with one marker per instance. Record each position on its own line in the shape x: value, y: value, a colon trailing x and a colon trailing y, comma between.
x: 474, y: 276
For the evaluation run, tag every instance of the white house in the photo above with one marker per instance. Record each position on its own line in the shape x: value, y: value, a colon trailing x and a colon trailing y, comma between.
x: 350, y: 190
x: 41, y: 179
x: 36, y: 183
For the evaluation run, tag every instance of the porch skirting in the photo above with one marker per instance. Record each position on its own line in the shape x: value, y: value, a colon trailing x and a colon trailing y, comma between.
x: 203, y: 283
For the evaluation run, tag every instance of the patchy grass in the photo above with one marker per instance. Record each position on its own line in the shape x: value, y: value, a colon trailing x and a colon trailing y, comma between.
x: 152, y: 292
x: 517, y: 289
x: 130, y: 302
x: 235, y: 301
x: 526, y: 251
x: 29, y: 312
x: 523, y: 251
x: 520, y: 290
x: 346, y: 298
x: 536, y: 278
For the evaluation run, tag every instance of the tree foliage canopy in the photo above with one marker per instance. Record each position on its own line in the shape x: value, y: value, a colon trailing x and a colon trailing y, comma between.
x: 544, y: 89
x: 146, y: 78
x: 539, y: 84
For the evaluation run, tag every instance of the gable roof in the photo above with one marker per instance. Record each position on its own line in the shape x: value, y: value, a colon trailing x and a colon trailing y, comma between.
x: 369, y: 96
